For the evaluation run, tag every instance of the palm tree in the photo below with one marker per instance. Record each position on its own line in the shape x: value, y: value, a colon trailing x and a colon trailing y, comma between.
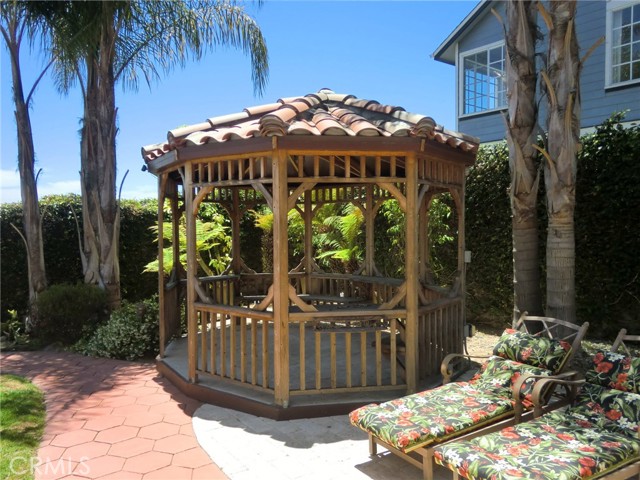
x: 14, y: 27
x: 522, y: 127
x: 562, y: 81
x: 99, y: 44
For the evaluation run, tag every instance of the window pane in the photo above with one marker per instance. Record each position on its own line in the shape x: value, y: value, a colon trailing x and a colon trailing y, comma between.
x: 636, y: 13
x: 626, y: 35
x: 625, y: 72
x: 635, y: 55
x: 495, y: 55
x: 616, y: 57
x: 636, y: 32
x: 625, y: 54
x: 635, y: 70
x: 626, y: 16
x: 617, y: 36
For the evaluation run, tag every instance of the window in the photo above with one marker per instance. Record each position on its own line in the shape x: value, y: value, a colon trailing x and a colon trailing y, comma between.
x: 483, y: 80
x: 624, y: 47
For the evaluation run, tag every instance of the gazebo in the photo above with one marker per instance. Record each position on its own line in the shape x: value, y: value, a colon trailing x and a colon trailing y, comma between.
x: 300, y: 341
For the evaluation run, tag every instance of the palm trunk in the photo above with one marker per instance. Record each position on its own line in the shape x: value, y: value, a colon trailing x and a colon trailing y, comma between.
x: 563, y: 69
x: 522, y: 121
x: 100, y: 211
x: 31, y: 218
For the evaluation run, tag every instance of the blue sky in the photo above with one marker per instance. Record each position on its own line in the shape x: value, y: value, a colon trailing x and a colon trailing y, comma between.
x: 377, y: 50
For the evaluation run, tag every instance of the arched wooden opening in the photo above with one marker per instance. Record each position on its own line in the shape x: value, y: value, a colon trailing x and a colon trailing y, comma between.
x: 298, y: 335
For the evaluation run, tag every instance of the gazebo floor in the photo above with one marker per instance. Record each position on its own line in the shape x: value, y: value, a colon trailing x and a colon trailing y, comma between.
x: 208, y: 389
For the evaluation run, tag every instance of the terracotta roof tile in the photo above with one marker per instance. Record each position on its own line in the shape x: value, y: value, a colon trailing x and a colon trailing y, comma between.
x: 322, y: 113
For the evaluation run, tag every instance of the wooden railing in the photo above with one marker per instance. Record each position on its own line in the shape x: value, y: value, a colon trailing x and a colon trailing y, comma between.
x: 440, y: 332
x: 235, y: 344
x: 338, y: 355
x: 336, y: 347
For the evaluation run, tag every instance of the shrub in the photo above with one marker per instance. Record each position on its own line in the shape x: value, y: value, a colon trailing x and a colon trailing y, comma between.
x: 132, y: 332
x: 65, y: 312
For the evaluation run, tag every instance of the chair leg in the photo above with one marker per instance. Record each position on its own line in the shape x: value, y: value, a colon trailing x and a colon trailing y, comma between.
x: 427, y: 465
x: 373, y: 446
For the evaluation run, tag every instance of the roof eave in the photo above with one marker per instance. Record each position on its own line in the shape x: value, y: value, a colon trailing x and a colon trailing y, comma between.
x: 339, y: 145
x: 446, y: 52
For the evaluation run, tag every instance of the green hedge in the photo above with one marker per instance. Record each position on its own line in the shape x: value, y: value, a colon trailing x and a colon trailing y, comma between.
x: 61, y: 249
x: 607, y: 226
x: 488, y: 237
x: 608, y: 229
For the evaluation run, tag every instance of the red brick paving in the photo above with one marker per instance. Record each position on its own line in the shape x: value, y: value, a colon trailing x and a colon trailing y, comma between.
x: 111, y: 420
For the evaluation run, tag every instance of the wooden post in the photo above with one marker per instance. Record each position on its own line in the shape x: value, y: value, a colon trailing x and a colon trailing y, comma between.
x: 236, y: 259
x: 192, y: 272
x: 308, y: 239
x: 280, y: 277
x: 162, y: 181
x: 370, y: 218
x: 411, y: 272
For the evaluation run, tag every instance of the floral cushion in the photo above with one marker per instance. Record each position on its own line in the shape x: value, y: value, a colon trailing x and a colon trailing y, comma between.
x: 607, y: 408
x: 422, y: 418
x: 499, y: 375
x: 614, y: 370
x: 533, y: 350
x: 553, y: 446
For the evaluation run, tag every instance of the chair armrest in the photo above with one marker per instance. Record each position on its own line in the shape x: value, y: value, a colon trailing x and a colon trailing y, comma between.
x: 447, y: 370
x: 542, y: 391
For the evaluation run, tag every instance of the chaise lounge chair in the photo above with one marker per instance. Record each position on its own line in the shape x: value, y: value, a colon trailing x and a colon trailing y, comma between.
x: 411, y: 426
x: 596, y: 437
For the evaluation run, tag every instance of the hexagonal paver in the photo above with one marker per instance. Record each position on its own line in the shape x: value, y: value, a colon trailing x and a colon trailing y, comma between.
x: 154, y: 399
x: 177, y: 419
x: 167, y: 408
x: 72, y: 438
x: 93, y: 412
x: 132, y: 447
x: 86, y: 450
x: 208, y: 472
x: 104, y: 423
x: 118, y: 401
x: 142, y: 391
x: 55, y: 469
x: 117, y: 434
x: 56, y: 427
x: 175, y: 444
x: 130, y: 410
x: 100, y: 466
x: 187, y: 429
x: 49, y: 453
x: 193, y: 457
x: 148, y: 462
x: 143, y: 419
x: 172, y: 471
x: 158, y: 431
x: 122, y: 475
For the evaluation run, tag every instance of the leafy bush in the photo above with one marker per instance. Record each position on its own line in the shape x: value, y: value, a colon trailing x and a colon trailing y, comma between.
x: 65, y: 312
x: 132, y: 332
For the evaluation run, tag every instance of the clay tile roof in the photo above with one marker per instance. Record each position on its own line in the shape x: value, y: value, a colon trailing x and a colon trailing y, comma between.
x: 322, y: 113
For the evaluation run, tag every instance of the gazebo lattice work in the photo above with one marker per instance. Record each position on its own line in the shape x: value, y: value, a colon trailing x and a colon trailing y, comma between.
x: 278, y: 342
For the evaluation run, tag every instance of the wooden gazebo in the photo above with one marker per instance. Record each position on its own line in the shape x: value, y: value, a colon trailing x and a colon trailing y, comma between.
x: 299, y: 341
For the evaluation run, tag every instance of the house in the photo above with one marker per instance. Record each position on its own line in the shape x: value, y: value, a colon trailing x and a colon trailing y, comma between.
x: 610, y: 79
